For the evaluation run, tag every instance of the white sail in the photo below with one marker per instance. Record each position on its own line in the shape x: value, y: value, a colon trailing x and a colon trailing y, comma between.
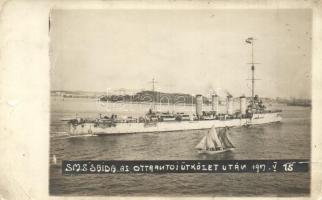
x: 209, y: 142
x: 213, y: 140
x: 202, y: 144
x: 224, y: 138
x: 214, y: 137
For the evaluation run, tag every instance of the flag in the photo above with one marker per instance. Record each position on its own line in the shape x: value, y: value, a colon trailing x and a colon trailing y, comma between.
x: 249, y: 40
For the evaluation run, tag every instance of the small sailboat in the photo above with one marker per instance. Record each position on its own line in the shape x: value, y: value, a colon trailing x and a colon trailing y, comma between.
x: 213, y: 142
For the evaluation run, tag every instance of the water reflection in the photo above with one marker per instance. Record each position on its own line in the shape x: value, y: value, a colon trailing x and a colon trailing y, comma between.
x: 228, y: 155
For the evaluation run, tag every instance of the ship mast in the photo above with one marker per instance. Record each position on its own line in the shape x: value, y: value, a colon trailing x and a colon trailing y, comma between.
x: 153, y: 93
x: 253, y: 72
x: 251, y: 41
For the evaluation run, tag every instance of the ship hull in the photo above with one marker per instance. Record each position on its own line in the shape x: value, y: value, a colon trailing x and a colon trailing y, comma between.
x: 215, y: 152
x: 127, y: 128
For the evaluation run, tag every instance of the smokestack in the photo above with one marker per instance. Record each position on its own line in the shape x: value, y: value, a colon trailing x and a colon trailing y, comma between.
x: 199, y: 105
x: 229, y: 105
x: 243, y: 106
x: 215, y: 103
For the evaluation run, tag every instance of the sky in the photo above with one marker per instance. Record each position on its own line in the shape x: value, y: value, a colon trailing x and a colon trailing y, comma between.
x: 189, y: 51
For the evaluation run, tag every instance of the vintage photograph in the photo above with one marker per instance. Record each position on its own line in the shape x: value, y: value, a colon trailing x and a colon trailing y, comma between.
x: 180, y: 84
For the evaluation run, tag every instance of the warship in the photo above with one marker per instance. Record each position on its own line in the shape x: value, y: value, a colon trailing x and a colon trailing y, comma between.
x: 251, y: 111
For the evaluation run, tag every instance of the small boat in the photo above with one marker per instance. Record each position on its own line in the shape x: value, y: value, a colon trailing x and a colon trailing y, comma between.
x: 213, y: 142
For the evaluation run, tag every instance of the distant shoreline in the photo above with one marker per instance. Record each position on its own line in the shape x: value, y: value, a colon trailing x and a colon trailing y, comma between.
x: 146, y: 97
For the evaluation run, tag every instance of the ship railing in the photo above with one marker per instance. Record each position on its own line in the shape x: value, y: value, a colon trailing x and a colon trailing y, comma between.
x: 268, y: 111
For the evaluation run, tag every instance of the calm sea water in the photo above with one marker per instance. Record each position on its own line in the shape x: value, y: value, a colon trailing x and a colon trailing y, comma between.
x: 287, y: 140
